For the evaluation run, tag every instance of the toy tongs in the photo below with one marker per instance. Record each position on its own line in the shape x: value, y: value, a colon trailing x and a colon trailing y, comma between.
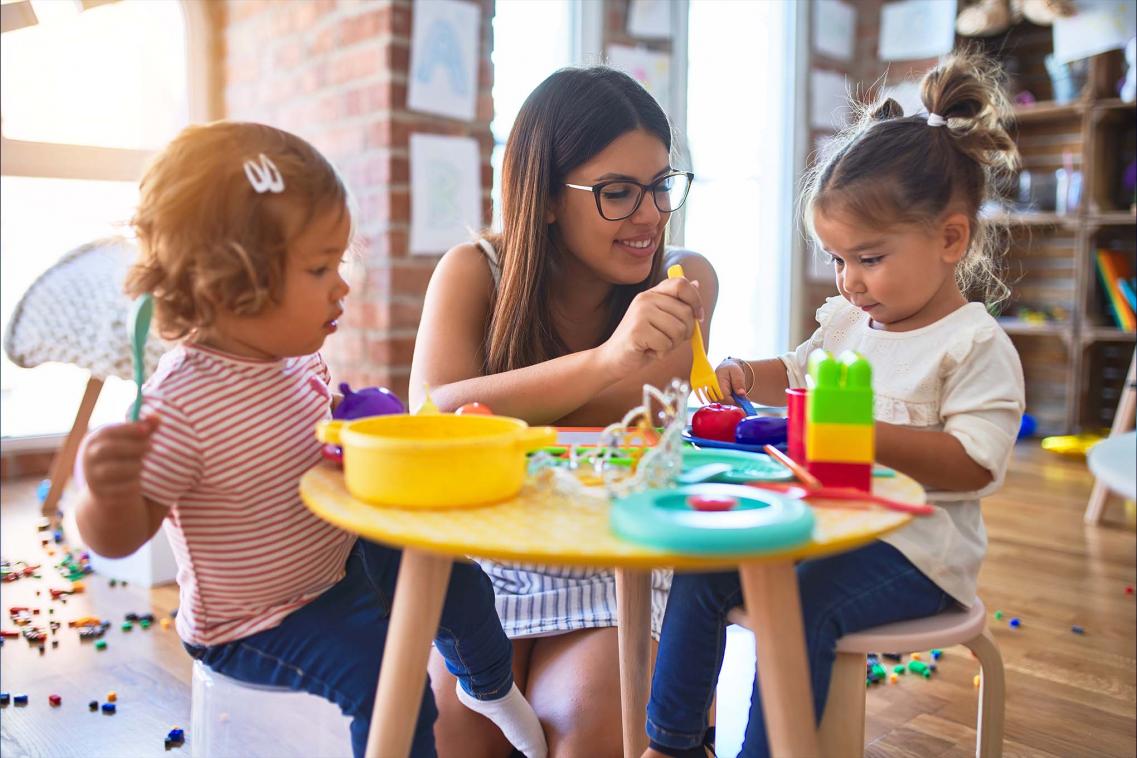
x: 810, y: 487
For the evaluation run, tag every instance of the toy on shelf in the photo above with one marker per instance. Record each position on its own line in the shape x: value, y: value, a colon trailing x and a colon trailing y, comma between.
x: 1076, y: 445
x: 839, y: 429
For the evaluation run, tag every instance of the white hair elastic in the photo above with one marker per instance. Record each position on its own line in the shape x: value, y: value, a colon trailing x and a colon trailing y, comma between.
x: 935, y: 119
x: 265, y: 176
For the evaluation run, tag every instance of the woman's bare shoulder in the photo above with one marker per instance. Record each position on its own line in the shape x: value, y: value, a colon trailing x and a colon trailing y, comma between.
x: 695, y: 265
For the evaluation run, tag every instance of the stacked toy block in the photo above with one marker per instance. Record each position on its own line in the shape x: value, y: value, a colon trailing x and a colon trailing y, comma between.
x: 839, y: 440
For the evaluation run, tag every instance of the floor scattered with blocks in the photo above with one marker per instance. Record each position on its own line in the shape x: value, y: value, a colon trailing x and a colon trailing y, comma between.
x: 1068, y: 693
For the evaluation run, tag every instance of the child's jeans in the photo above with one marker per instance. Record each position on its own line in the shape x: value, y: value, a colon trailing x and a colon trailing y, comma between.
x: 839, y: 595
x: 333, y: 646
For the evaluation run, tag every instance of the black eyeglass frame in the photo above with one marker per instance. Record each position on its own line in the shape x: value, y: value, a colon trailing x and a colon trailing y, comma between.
x: 596, y: 189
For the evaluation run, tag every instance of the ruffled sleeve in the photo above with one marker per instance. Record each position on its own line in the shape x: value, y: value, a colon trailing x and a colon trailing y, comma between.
x: 983, y: 396
x: 796, y: 359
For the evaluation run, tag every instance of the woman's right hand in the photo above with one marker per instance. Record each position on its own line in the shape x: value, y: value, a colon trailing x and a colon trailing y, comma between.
x: 657, y: 321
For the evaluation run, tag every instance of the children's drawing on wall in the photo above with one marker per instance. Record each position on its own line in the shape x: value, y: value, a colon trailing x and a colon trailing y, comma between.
x: 444, y: 67
x: 652, y: 70
x: 445, y: 207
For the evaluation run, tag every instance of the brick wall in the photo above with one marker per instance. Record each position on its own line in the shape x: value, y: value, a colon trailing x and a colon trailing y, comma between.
x: 335, y: 73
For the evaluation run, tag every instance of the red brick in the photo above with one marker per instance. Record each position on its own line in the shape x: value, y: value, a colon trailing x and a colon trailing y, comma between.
x: 391, y: 351
x: 396, y: 20
x: 324, y: 42
x: 395, y: 206
x: 398, y: 57
x: 239, y: 10
x: 366, y: 61
x: 288, y: 54
x: 362, y: 26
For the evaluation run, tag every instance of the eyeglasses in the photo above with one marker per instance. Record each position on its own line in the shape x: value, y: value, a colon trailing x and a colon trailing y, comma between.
x: 618, y: 199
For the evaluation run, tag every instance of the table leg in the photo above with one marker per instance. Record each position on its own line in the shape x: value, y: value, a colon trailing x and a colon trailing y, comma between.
x: 419, y: 593
x: 770, y: 592
x: 633, y: 619
x: 64, y: 462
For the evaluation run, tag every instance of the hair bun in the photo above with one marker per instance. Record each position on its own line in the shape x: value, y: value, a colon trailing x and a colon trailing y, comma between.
x: 886, y: 110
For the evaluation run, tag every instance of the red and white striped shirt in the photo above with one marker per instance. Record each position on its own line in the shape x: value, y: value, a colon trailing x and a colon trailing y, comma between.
x: 235, y: 436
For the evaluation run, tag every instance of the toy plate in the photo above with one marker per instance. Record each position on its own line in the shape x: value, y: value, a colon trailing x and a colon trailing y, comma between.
x: 745, y: 467
x: 762, y: 522
x: 706, y: 444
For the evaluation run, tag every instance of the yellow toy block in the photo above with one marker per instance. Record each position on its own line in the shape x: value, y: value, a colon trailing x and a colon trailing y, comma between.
x: 839, y: 443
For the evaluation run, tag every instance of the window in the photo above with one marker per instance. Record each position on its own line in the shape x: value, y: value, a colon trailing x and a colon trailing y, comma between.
x: 739, y: 130
x: 87, y: 96
x: 530, y: 42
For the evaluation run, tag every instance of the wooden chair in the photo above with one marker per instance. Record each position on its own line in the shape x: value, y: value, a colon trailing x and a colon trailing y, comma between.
x: 1123, y: 421
x: 842, y: 730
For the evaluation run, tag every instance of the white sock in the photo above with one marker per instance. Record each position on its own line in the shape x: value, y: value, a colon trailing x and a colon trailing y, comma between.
x: 514, y: 716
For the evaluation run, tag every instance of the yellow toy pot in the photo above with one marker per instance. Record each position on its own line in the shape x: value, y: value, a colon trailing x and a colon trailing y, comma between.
x: 435, y: 461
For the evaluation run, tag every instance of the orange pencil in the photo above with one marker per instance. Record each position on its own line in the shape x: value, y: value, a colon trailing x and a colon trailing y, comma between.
x: 806, y: 478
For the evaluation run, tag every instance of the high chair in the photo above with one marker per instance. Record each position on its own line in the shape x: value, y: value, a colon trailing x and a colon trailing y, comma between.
x: 842, y: 730
x: 229, y: 718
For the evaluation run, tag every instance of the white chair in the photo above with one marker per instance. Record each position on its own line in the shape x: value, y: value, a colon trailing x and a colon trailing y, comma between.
x: 842, y: 731
x: 231, y: 718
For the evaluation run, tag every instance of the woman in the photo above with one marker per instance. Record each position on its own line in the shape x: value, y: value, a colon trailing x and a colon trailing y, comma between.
x: 561, y: 320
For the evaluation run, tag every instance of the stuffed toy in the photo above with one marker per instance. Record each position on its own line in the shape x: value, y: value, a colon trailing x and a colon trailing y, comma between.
x: 987, y: 18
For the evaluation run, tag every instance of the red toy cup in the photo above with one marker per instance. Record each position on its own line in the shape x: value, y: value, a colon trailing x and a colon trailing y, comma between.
x: 795, y: 428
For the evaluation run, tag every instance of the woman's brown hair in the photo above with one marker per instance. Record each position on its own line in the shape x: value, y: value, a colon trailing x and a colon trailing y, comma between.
x: 208, y: 240
x: 888, y: 168
x: 571, y: 116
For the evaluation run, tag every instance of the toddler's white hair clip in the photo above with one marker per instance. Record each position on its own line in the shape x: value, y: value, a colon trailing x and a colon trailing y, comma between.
x: 264, y: 176
x: 934, y: 119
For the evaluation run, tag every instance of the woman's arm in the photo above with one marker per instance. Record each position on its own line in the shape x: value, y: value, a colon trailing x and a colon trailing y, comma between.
x: 448, y: 351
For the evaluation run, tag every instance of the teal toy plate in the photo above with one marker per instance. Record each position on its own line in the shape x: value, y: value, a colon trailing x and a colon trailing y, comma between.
x: 744, y: 467
x: 761, y: 522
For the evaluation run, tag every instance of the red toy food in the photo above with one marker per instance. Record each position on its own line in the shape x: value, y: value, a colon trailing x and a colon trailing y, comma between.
x: 474, y: 408
x: 716, y: 421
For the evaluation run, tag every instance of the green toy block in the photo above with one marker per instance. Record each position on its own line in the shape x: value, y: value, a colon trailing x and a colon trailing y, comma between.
x: 840, y: 389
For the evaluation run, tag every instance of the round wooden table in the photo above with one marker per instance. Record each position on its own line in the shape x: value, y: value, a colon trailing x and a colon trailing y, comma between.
x: 541, y: 526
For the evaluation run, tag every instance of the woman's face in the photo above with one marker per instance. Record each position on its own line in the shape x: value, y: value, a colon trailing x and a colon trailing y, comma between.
x: 617, y: 252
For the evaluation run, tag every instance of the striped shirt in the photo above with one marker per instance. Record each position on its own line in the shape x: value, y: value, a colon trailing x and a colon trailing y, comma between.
x: 235, y: 436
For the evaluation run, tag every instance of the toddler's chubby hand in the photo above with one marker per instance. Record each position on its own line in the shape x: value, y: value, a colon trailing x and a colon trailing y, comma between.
x: 733, y: 379
x: 112, y: 459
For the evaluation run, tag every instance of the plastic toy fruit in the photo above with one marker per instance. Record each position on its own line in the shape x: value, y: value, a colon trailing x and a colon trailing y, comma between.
x: 474, y: 408
x: 370, y: 401
x: 716, y: 421
x: 760, y: 430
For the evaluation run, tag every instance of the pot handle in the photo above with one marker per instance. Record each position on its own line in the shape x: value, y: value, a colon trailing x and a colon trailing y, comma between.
x: 536, y: 437
x: 328, y: 432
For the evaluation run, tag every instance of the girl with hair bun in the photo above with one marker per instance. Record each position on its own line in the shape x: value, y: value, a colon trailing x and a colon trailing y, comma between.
x: 896, y: 205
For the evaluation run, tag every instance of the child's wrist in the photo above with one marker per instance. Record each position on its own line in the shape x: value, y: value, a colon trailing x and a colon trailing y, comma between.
x: 749, y: 377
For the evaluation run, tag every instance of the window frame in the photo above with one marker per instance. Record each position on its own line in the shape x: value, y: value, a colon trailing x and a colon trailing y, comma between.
x: 68, y: 161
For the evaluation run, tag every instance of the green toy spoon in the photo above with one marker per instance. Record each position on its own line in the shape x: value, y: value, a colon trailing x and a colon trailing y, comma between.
x: 138, y: 328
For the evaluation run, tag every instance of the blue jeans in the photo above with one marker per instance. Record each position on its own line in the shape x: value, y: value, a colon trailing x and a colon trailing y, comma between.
x: 333, y: 646
x: 839, y: 595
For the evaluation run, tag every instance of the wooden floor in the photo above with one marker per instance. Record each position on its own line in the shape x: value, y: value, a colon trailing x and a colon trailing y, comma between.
x: 1068, y: 695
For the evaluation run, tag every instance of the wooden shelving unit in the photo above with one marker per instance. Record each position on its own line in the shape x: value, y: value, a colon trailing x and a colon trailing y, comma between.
x: 1070, y: 363
x: 1074, y: 363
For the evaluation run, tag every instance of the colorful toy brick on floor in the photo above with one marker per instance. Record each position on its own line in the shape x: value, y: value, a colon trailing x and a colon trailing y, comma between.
x: 839, y: 438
